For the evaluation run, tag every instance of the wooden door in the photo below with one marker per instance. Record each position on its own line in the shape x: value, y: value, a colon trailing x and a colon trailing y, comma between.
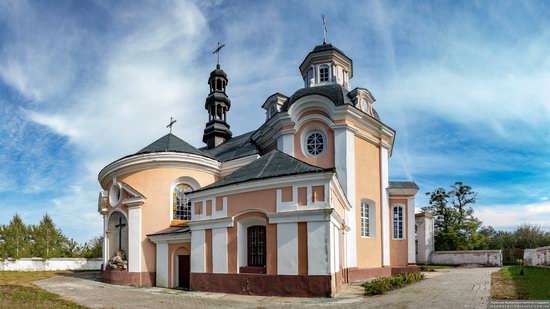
x: 184, y: 267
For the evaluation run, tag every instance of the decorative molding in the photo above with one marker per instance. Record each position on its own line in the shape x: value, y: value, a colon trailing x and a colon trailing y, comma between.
x: 157, y: 160
x: 174, y: 238
x: 253, y: 185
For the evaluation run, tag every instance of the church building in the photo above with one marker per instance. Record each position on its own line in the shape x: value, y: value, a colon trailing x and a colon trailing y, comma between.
x: 297, y: 207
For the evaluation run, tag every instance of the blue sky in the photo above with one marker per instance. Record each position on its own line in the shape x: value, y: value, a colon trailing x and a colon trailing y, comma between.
x: 82, y: 83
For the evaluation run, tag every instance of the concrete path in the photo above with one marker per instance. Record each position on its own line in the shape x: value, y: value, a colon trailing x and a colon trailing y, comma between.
x: 449, y: 288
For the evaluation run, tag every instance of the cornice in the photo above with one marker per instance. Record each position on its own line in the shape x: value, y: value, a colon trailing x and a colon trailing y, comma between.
x: 157, y: 160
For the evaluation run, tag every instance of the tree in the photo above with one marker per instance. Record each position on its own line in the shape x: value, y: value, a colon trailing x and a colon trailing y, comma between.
x: 17, y: 241
x: 93, y: 248
x: 455, y: 225
x: 48, y: 240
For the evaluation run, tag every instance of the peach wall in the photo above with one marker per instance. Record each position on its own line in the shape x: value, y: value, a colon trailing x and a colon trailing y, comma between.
x: 198, y: 208
x: 367, y: 185
x: 398, y: 248
x: 326, y: 159
x: 318, y: 193
x: 209, y: 207
x: 155, y: 185
x: 302, y: 196
x: 314, y: 113
x: 219, y: 203
x: 286, y: 194
x: 335, y: 203
x: 261, y: 199
x: 173, y: 251
x: 271, y: 247
x: 232, y: 249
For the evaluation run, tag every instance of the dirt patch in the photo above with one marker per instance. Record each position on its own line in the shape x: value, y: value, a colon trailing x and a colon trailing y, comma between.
x: 502, y: 286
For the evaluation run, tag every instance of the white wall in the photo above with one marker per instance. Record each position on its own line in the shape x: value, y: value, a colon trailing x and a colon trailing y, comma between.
x: 537, y: 257
x: 162, y: 265
x: 287, y: 248
x: 482, y: 257
x: 38, y: 264
x: 425, y: 238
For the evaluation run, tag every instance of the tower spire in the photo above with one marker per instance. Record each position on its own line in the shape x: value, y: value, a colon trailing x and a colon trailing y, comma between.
x: 217, y: 104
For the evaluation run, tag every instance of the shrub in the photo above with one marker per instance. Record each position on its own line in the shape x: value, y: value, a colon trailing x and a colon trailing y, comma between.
x: 383, y: 285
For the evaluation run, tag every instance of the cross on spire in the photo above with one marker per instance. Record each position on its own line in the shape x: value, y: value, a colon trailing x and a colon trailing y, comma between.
x: 217, y: 51
x: 172, y: 121
x: 324, y: 28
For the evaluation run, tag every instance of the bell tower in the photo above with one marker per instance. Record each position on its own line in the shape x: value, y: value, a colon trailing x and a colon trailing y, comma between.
x: 217, y: 104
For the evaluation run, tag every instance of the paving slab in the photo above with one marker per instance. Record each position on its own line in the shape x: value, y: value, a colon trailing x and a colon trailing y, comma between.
x: 447, y: 288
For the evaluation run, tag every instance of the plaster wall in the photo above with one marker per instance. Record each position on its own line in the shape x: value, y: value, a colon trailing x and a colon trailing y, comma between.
x: 38, y: 264
x: 482, y: 257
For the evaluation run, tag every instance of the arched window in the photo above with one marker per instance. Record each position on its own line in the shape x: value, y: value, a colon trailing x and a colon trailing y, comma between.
x: 323, y: 73
x: 364, y: 106
x: 367, y: 218
x: 398, y: 222
x: 181, y: 208
x: 309, y: 77
x: 256, y: 246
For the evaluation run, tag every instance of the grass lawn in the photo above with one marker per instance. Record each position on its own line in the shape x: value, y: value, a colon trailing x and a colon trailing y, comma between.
x: 17, y: 291
x: 507, y: 283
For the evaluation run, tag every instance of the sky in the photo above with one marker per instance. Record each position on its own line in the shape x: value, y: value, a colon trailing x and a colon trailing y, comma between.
x: 466, y: 85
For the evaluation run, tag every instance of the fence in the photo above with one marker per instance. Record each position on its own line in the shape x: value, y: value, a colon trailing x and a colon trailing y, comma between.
x: 38, y: 264
x: 537, y: 257
x: 481, y: 257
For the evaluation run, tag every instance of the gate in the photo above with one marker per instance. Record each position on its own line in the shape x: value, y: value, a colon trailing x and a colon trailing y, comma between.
x: 509, y: 256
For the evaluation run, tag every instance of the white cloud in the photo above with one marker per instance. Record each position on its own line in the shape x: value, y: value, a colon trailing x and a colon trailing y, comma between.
x: 511, y: 216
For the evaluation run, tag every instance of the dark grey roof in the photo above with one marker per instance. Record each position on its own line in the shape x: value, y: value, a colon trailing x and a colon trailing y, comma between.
x: 274, y: 164
x: 170, y: 143
x: 403, y: 185
x: 325, y: 47
x: 334, y: 92
x: 168, y: 231
x: 234, y: 148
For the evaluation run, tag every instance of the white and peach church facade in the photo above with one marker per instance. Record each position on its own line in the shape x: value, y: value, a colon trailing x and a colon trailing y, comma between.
x: 297, y: 207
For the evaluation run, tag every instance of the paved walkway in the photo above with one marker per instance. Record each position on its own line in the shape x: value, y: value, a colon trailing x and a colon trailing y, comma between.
x: 449, y: 288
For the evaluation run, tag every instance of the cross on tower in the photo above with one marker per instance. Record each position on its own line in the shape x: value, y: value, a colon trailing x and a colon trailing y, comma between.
x: 324, y: 28
x: 172, y: 121
x: 120, y: 225
x: 217, y: 51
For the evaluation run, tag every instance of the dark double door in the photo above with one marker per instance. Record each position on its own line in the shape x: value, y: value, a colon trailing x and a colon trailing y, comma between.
x: 184, y: 270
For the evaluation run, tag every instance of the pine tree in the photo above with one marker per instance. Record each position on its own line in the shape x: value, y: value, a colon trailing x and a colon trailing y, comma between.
x: 16, y: 237
x: 48, y: 240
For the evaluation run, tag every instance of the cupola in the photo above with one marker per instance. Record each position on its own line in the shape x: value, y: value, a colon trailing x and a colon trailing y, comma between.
x: 326, y: 64
x: 217, y: 104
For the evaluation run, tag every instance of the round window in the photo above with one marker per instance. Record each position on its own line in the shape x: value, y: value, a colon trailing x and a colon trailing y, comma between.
x: 115, y: 193
x: 315, y: 143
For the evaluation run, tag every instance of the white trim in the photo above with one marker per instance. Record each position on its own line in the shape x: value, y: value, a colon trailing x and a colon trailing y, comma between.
x: 162, y: 265
x: 287, y: 248
x: 305, y: 136
x: 285, y: 143
x: 242, y: 239
x: 174, y: 238
x: 302, y: 216
x: 115, y: 186
x: 198, y: 239
x: 219, y: 250
x: 269, y: 183
x: 384, y: 182
x: 189, y: 181
x: 157, y: 160
x: 211, y: 224
x: 134, y: 239
x: 410, y: 231
x: 318, y: 248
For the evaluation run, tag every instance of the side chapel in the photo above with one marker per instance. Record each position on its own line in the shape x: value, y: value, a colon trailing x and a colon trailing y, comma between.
x: 297, y: 207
